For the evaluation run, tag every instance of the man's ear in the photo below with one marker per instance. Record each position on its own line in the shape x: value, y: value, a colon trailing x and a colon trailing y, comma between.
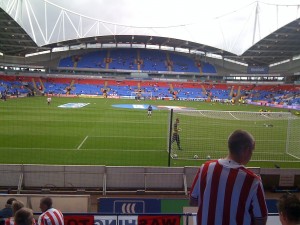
x: 283, y: 218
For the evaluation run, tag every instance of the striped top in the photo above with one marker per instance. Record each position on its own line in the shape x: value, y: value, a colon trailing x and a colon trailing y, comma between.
x: 10, y: 221
x: 228, y: 194
x: 51, y: 217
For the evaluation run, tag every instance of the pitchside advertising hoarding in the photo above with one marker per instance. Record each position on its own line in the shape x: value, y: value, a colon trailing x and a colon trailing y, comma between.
x: 166, y: 207
x: 122, y: 220
x: 140, y: 220
x: 129, y: 205
x: 144, y: 211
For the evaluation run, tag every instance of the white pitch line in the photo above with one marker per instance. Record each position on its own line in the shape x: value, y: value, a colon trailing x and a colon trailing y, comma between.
x: 113, y: 136
x: 82, y: 142
x: 292, y: 155
x: 88, y: 149
x: 233, y: 116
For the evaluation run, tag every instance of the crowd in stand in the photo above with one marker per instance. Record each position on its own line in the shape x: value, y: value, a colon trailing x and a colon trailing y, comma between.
x: 15, y: 213
x: 272, y: 94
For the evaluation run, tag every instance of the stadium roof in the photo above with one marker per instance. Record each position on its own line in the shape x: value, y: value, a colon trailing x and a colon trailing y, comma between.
x: 29, y: 26
x: 13, y: 38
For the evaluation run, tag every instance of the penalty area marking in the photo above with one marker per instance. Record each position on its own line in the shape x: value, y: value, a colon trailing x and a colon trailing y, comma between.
x: 82, y: 142
x: 292, y: 155
x: 233, y: 116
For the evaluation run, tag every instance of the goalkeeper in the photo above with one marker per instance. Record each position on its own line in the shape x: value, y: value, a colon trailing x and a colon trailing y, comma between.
x: 175, y: 135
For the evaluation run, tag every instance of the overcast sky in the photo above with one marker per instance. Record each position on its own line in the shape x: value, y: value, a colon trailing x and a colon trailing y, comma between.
x: 228, y: 25
x: 159, y: 12
x: 225, y: 24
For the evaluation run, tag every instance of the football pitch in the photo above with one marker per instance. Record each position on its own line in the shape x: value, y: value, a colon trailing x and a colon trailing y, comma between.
x: 91, y: 131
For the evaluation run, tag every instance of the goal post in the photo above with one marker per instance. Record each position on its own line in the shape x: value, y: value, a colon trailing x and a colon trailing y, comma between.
x: 293, y: 138
x: 143, y: 95
x: 203, y: 134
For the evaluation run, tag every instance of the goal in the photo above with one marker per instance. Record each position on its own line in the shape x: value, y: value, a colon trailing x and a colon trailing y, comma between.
x: 143, y: 95
x: 203, y: 134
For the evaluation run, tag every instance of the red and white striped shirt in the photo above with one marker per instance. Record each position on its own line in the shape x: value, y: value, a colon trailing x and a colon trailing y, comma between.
x: 10, y: 221
x: 228, y: 194
x: 51, y: 217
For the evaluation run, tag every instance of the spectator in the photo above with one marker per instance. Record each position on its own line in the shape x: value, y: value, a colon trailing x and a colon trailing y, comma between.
x: 50, y: 215
x: 24, y: 216
x: 7, y: 211
x: 228, y: 193
x: 16, y: 205
x: 289, y: 209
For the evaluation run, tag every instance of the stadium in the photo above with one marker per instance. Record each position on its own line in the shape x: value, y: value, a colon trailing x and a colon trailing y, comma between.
x: 76, y: 86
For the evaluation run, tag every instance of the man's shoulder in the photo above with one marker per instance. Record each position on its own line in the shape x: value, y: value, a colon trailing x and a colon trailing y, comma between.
x: 42, y: 215
x: 51, y: 210
x: 6, y: 212
x: 6, y: 209
x: 251, y: 173
x: 209, y: 162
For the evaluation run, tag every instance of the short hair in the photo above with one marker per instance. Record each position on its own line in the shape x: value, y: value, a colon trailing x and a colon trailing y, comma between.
x: 24, y: 216
x: 240, y: 140
x: 10, y: 201
x: 16, y: 205
x: 289, y: 206
x: 47, y: 201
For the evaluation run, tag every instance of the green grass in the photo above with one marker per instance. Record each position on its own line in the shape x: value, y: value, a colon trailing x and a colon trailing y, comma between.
x: 31, y: 132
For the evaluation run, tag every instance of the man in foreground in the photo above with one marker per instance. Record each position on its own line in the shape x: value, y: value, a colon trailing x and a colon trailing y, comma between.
x: 50, y: 215
x: 228, y: 193
x: 24, y: 216
x: 289, y: 209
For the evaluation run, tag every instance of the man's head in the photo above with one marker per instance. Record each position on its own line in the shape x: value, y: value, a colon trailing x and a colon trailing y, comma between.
x: 241, y: 145
x: 45, y: 204
x: 289, y: 209
x: 9, y: 202
x: 24, y: 216
x: 16, y: 205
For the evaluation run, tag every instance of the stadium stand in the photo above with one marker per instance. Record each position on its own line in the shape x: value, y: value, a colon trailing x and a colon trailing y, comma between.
x: 183, y: 64
x: 273, y: 94
x: 133, y: 59
x: 123, y: 59
x: 153, y: 60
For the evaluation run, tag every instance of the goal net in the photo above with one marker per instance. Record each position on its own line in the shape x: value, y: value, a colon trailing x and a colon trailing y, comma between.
x: 203, y: 134
x: 141, y: 95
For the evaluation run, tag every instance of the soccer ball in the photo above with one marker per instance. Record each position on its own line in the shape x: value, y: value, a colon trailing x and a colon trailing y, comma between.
x: 208, y: 157
x: 175, y: 156
x: 196, y: 157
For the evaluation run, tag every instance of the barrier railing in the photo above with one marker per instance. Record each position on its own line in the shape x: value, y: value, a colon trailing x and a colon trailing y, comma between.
x: 104, y: 179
